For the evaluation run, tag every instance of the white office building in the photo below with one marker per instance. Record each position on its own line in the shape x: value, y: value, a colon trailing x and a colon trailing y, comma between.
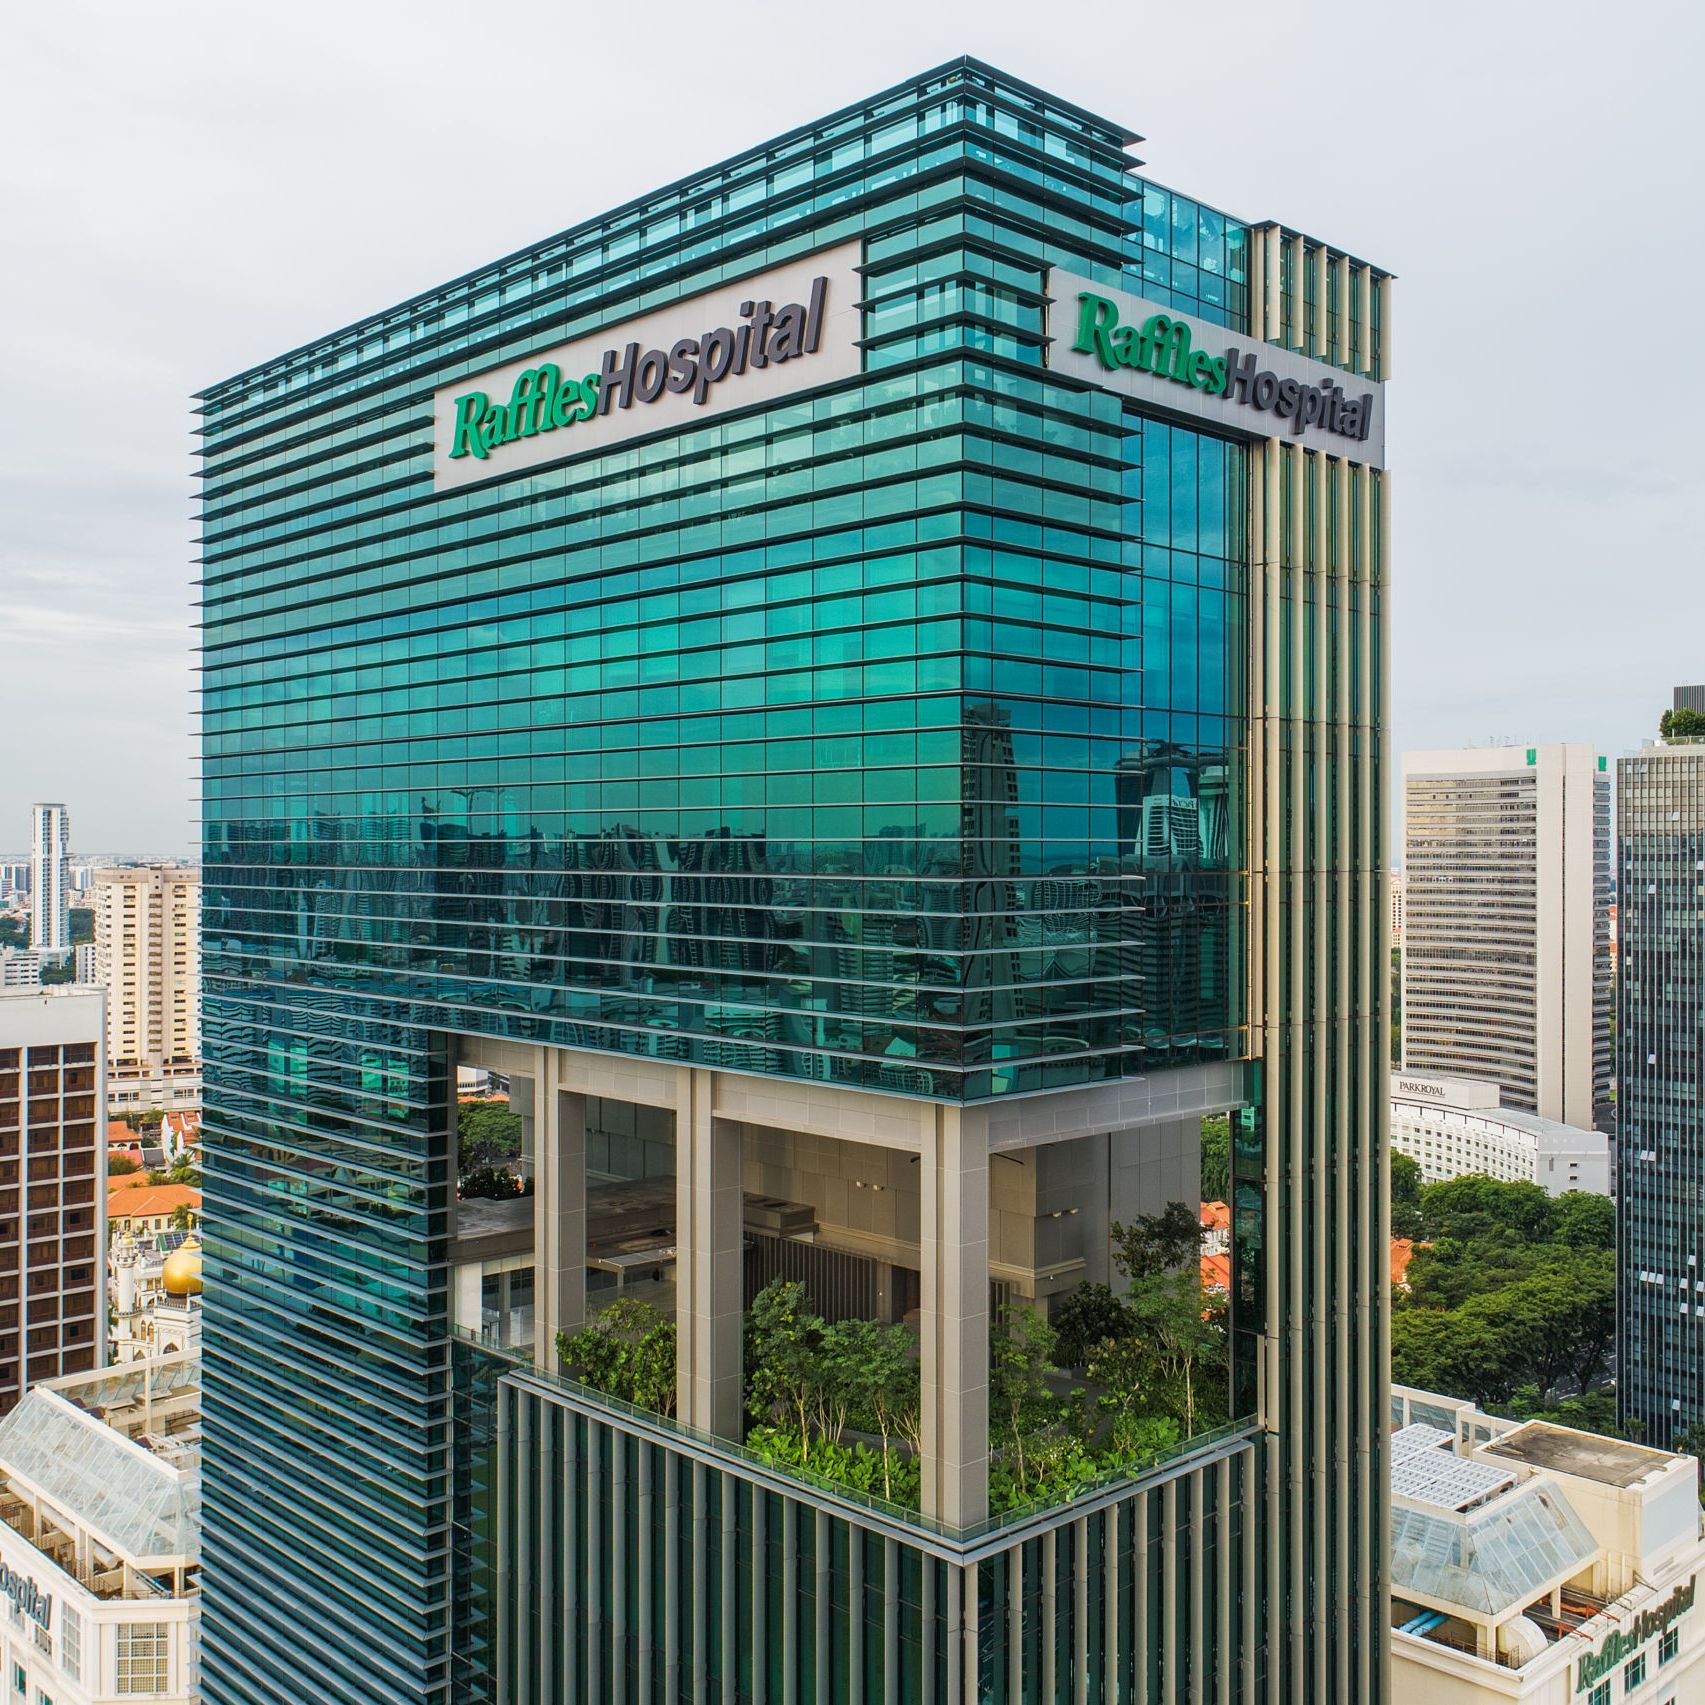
x: 50, y: 879
x: 1532, y: 1564
x: 1506, y: 929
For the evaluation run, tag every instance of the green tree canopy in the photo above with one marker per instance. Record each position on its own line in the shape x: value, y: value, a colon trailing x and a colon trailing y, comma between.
x: 1405, y: 1195
x: 1584, y: 1220
x: 1516, y: 1291
x: 1475, y: 1206
x: 1157, y: 1243
x: 1216, y: 1159
x: 1682, y: 724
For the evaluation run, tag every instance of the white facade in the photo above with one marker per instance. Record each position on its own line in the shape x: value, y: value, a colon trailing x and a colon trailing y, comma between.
x: 100, y: 1537
x: 1536, y: 1565
x: 20, y: 968
x: 50, y: 878
x: 1453, y: 1126
x: 1506, y: 951
x: 87, y: 971
x: 1397, y: 885
x: 148, y: 958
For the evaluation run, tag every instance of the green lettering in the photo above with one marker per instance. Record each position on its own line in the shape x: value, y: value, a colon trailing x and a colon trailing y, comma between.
x: 464, y: 436
x: 1095, y: 321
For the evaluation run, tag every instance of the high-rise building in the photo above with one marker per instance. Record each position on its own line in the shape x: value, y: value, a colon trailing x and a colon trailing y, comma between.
x: 147, y: 955
x: 53, y: 1179
x: 1397, y: 908
x: 1660, y: 1086
x: 50, y: 878
x: 803, y: 677
x: 1506, y: 929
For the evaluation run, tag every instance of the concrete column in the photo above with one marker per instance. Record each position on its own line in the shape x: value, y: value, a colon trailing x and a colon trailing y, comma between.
x: 558, y: 1126
x: 467, y: 1296
x: 709, y: 1240
x: 954, y: 1255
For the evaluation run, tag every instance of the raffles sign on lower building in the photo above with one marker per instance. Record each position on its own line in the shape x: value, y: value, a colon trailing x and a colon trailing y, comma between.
x: 1180, y: 365
x: 792, y: 328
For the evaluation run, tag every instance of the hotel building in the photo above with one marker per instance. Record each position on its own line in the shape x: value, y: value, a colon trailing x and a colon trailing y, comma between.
x: 53, y: 1182
x: 1660, y: 1076
x: 1451, y: 1126
x: 1506, y: 928
x: 854, y: 683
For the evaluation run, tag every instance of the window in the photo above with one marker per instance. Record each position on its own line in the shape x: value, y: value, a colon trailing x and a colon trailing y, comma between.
x: 1600, y: 1695
x: 20, y: 1681
x: 143, y: 1657
x: 1633, y: 1673
x: 71, y: 1641
x: 1669, y: 1645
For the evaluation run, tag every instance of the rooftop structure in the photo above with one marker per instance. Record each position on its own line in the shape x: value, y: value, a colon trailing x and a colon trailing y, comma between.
x: 100, y: 1525
x: 1533, y: 1563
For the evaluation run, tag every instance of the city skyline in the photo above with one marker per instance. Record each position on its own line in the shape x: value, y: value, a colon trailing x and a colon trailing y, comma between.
x: 97, y: 560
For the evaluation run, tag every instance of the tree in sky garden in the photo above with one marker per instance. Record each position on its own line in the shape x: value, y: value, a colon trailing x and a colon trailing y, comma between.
x: 627, y: 1352
x: 1121, y: 1381
x: 488, y: 1144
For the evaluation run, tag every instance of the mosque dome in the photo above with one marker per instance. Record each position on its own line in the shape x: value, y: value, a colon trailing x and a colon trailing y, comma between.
x: 181, y: 1274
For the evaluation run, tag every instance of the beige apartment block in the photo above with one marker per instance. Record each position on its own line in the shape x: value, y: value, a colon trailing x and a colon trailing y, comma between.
x: 1506, y: 928
x: 148, y: 958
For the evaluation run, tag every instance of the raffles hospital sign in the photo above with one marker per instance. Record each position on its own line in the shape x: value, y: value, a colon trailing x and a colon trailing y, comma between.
x: 797, y: 327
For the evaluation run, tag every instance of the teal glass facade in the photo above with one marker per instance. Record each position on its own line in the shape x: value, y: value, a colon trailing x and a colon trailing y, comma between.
x: 891, y: 736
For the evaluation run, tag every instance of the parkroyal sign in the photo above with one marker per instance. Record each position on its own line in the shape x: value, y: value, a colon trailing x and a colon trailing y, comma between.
x: 793, y: 328
x: 1177, y: 364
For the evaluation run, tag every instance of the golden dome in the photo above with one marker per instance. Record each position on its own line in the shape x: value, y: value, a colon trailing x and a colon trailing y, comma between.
x: 181, y: 1274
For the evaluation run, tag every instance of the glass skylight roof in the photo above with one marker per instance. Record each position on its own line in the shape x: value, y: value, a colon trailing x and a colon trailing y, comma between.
x: 137, y: 1503
x: 1493, y: 1558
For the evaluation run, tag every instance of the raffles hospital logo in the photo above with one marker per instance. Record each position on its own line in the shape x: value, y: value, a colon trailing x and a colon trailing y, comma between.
x: 544, y: 399
x: 1162, y: 345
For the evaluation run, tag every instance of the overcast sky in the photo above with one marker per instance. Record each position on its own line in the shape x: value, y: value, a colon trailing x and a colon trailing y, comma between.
x: 189, y: 188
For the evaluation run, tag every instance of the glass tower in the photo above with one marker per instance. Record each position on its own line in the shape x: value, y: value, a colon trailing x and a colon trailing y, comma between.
x: 908, y: 800
x: 1660, y: 1079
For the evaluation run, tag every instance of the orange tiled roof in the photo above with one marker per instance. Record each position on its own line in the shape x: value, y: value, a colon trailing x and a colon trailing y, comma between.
x: 127, y: 1181
x: 152, y: 1201
x: 1402, y: 1253
x: 1216, y: 1272
x: 1216, y: 1216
